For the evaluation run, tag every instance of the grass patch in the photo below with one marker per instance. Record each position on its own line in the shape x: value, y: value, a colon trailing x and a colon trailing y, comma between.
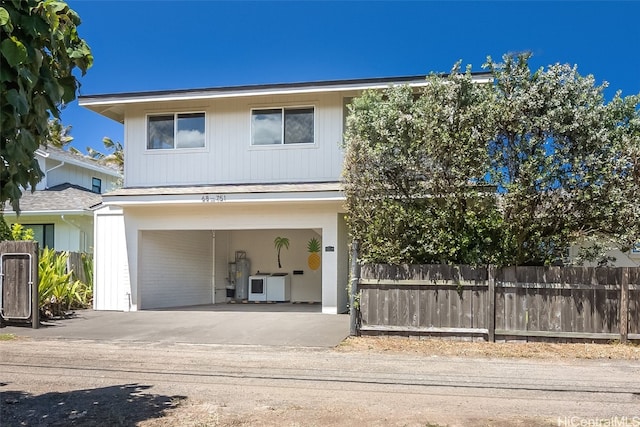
x: 7, y: 337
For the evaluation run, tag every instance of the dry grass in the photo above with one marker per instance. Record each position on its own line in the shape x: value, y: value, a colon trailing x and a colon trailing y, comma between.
x: 537, y: 350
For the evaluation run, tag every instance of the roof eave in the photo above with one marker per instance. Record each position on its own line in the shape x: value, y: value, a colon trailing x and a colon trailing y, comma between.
x: 112, y: 105
x: 49, y: 212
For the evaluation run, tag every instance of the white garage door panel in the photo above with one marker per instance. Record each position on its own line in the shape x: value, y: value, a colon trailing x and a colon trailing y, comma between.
x: 175, y: 268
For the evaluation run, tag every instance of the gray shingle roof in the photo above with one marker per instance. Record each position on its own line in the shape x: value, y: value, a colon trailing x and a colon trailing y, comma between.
x: 79, y: 159
x: 63, y: 197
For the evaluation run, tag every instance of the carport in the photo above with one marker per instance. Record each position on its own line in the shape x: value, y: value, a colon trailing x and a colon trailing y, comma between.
x: 154, y: 254
x: 192, y: 267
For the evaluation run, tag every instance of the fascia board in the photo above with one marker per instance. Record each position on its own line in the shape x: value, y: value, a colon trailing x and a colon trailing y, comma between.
x: 43, y: 213
x: 199, y: 199
x: 88, y: 101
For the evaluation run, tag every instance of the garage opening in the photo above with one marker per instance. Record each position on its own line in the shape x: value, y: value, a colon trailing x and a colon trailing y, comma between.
x: 282, y: 265
x: 181, y: 268
x: 175, y: 268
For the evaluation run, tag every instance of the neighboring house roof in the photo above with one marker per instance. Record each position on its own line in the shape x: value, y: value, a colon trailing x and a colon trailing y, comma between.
x: 77, y: 159
x: 59, y: 199
x: 112, y: 105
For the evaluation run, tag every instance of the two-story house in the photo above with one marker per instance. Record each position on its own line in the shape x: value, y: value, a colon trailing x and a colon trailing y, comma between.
x: 60, y: 210
x: 211, y: 173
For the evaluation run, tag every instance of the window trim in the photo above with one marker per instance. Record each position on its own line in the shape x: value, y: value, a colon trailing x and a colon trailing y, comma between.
x: 93, y: 185
x: 283, y: 144
x: 175, y: 115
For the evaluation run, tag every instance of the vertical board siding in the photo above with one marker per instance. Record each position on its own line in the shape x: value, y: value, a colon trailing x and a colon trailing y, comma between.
x: 109, y: 262
x: 533, y: 302
x: 228, y: 156
x: 176, y: 268
x: 77, y: 175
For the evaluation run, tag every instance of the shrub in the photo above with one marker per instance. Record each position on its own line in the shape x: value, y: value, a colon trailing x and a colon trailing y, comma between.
x: 58, y: 290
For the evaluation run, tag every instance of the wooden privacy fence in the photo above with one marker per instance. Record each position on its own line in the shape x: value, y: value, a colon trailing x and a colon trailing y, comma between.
x: 75, y: 263
x: 512, y: 303
x: 19, y: 282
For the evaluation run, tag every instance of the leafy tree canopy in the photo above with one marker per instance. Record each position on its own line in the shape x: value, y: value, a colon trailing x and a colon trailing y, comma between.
x: 512, y: 172
x: 39, y: 50
x: 114, y: 155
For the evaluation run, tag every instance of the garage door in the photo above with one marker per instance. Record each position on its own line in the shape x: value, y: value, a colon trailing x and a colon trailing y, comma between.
x: 175, y: 268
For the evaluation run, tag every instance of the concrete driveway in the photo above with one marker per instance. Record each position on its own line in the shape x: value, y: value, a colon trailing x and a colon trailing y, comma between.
x: 237, y: 324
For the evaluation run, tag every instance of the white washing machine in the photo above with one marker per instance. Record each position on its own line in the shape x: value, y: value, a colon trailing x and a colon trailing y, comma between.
x: 258, y: 287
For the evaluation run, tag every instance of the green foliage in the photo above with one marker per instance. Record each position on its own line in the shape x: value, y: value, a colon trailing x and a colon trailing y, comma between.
x: 512, y: 172
x: 39, y: 50
x: 415, y: 173
x: 19, y: 232
x: 5, y: 231
x: 566, y: 160
x: 87, y: 285
x: 115, y: 152
x: 59, y: 135
x: 58, y: 290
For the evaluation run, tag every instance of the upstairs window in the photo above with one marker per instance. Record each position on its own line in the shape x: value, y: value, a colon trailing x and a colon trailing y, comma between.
x: 169, y: 131
x: 96, y: 185
x: 277, y: 126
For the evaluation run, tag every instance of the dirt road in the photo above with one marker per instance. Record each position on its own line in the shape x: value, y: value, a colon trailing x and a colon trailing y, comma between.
x: 96, y: 383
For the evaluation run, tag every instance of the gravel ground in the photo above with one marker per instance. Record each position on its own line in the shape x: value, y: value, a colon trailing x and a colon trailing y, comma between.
x: 368, y: 381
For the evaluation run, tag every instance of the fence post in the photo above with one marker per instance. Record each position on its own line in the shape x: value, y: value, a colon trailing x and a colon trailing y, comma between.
x: 624, y: 305
x: 491, y: 309
x: 353, y: 288
x: 35, y: 296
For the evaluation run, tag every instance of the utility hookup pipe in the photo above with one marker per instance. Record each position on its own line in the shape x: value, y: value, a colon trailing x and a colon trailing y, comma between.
x: 353, y: 288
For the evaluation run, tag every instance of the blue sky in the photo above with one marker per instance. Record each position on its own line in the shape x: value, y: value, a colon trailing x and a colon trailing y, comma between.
x: 159, y: 45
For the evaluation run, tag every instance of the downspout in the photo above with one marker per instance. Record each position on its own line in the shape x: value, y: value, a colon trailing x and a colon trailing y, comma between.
x: 55, y: 167
x: 46, y: 173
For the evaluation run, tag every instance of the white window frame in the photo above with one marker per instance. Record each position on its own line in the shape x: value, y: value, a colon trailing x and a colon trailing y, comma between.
x: 283, y: 144
x: 175, y: 129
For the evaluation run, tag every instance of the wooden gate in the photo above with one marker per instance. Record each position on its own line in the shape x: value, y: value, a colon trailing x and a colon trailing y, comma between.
x: 19, y: 282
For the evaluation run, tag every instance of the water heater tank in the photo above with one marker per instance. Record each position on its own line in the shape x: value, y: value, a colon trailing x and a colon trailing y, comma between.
x: 242, y: 278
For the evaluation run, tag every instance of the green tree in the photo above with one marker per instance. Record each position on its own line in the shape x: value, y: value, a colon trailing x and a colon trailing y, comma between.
x: 114, y: 155
x: 565, y: 161
x: 512, y: 172
x: 59, y: 135
x: 415, y: 169
x: 5, y: 230
x: 39, y: 50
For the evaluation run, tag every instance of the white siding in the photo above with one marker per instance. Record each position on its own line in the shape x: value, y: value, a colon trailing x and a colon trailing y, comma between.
x: 111, y: 272
x: 228, y: 156
x: 176, y: 268
x: 72, y: 233
x: 76, y: 175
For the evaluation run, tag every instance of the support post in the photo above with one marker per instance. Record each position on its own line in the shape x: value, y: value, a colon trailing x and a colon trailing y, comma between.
x: 35, y: 280
x: 624, y: 305
x: 353, y: 288
x: 491, y: 308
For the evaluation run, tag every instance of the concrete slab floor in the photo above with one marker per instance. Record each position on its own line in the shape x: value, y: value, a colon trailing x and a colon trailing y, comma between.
x: 297, y: 325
